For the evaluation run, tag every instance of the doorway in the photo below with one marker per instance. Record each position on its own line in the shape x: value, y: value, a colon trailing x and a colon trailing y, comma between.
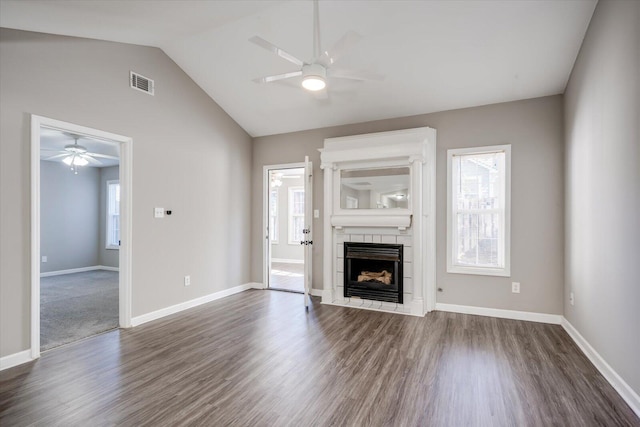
x: 285, y: 229
x: 81, y: 233
x: 287, y: 220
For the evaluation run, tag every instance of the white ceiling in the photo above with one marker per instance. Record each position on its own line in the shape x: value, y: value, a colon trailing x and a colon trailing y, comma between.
x: 436, y: 55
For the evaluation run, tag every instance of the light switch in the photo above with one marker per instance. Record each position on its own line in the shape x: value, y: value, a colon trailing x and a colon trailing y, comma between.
x: 44, y: 258
x: 316, y: 213
x: 158, y: 213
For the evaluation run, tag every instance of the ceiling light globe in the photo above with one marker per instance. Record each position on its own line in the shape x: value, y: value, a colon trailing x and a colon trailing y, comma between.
x: 79, y: 161
x: 313, y: 83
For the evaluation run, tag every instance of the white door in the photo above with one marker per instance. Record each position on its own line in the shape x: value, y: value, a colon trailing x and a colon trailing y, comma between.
x: 308, y: 228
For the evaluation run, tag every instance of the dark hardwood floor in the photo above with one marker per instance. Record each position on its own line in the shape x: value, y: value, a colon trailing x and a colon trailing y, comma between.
x: 257, y: 359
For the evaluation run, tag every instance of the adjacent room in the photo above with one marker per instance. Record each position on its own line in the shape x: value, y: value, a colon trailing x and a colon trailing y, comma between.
x: 79, y: 237
x: 318, y: 212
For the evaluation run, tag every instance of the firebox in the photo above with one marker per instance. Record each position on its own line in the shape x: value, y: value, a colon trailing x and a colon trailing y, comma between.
x: 373, y: 271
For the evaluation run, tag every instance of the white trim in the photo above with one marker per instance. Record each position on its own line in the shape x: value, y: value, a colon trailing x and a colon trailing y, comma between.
x: 126, y: 213
x: 554, y: 319
x: 167, y: 311
x: 78, y: 270
x: 316, y: 292
x: 15, y: 359
x: 373, y: 219
x: 430, y: 231
x: 624, y: 390
x: 505, y: 245
x: 288, y: 261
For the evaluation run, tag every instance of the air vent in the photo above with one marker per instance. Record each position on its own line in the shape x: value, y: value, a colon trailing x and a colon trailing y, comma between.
x: 141, y: 83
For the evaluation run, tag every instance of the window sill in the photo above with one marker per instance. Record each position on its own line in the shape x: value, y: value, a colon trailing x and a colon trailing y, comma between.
x: 500, y: 272
x: 112, y: 248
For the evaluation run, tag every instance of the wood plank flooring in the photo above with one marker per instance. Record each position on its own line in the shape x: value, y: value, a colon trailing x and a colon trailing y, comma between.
x: 287, y: 276
x: 257, y: 359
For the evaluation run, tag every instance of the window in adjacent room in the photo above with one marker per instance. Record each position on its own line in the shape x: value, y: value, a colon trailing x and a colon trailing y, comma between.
x: 113, y: 214
x: 296, y: 215
x: 478, y: 199
x: 273, y: 216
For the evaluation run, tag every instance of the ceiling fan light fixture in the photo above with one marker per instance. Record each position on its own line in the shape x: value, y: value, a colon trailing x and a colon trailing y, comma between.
x: 314, y: 76
x: 313, y: 83
x: 75, y: 160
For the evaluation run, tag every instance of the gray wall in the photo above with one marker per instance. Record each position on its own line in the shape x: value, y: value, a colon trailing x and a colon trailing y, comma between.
x: 106, y: 257
x: 68, y: 216
x: 533, y: 127
x: 283, y: 249
x: 188, y: 155
x: 603, y: 188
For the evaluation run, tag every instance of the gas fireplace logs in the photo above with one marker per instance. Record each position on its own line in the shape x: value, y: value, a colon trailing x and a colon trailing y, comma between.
x: 373, y: 276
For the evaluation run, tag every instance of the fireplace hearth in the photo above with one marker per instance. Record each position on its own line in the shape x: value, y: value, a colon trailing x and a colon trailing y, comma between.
x: 373, y: 271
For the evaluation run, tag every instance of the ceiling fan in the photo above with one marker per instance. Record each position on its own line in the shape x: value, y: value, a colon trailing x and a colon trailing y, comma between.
x: 75, y: 155
x: 316, y: 72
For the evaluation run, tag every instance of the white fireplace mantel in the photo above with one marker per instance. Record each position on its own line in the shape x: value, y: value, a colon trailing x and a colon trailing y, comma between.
x: 413, y: 148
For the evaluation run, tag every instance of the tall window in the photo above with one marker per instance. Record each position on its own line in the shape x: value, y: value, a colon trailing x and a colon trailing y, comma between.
x: 273, y: 216
x: 478, y: 193
x: 296, y: 215
x: 113, y: 215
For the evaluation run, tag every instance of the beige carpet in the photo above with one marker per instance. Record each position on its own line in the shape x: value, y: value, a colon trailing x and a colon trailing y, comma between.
x: 77, y: 306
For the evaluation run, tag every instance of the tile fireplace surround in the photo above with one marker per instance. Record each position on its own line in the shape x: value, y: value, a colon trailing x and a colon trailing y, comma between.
x: 412, y: 227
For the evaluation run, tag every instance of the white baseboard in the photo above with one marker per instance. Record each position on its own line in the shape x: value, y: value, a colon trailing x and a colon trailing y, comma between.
x: 154, y: 315
x: 623, y: 389
x: 554, y: 319
x: 316, y: 292
x: 15, y: 359
x: 288, y: 261
x: 256, y: 285
x: 78, y: 270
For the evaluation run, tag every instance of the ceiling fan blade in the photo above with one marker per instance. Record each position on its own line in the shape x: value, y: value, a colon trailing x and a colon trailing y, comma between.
x: 356, y: 75
x: 331, y: 55
x: 91, y: 160
x: 275, y: 49
x: 103, y: 156
x: 269, y: 79
x: 57, y: 156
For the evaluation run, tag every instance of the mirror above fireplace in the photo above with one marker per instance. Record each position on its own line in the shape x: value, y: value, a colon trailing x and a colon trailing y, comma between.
x: 375, y: 188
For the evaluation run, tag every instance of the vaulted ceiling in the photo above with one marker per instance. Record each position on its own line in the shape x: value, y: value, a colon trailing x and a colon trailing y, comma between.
x: 434, y: 55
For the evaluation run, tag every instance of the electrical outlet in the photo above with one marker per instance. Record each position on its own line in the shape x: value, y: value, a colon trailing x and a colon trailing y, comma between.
x: 571, y: 300
x: 44, y: 258
x: 515, y: 287
x: 158, y: 212
x: 187, y: 280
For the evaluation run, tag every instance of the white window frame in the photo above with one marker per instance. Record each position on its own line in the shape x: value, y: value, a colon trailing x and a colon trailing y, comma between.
x: 505, y: 243
x: 108, y: 215
x: 291, y: 215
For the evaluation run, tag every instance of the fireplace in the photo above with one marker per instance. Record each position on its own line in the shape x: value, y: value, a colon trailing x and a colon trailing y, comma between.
x: 373, y: 271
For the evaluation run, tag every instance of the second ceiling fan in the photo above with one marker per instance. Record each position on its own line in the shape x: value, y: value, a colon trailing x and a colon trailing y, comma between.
x: 316, y: 72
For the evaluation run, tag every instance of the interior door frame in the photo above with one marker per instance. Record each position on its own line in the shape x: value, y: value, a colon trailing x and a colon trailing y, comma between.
x: 126, y: 216
x: 266, y: 247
